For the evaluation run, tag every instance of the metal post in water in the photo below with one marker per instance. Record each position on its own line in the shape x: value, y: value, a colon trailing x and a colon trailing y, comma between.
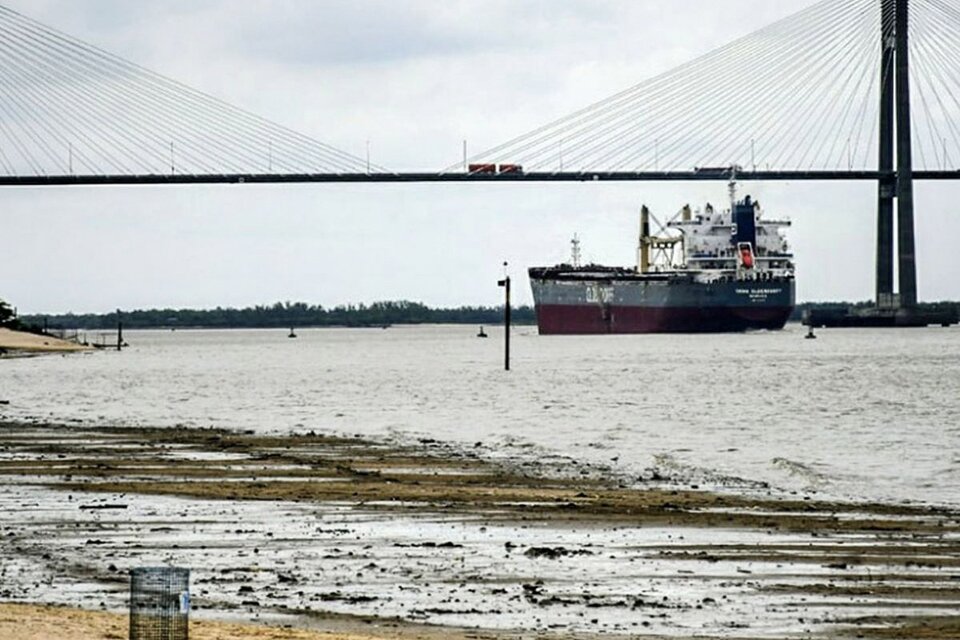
x: 119, y: 332
x: 505, y: 283
x: 506, y: 338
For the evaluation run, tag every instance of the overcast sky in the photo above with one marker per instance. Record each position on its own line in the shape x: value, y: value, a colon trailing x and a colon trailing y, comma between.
x: 414, y: 78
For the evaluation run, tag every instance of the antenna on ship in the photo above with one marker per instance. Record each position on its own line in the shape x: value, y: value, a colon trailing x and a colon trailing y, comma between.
x: 575, y: 252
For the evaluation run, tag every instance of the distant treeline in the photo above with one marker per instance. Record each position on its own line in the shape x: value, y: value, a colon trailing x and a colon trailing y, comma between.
x: 283, y: 314
x: 797, y: 314
x: 301, y: 314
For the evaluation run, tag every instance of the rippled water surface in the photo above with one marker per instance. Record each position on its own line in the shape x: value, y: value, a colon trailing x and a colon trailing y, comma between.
x: 872, y: 414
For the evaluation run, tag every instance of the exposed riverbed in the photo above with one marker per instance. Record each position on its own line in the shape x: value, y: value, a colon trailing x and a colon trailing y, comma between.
x: 303, y: 529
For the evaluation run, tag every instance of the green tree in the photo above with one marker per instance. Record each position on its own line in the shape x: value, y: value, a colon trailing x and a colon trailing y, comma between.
x: 7, y: 314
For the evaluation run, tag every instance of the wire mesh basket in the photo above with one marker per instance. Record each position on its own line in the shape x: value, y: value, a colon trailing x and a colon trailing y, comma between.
x: 159, y: 603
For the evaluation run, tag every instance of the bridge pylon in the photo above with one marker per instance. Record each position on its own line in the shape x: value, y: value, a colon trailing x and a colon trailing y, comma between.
x: 896, y: 181
x: 895, y: 184
x: 887, y: 186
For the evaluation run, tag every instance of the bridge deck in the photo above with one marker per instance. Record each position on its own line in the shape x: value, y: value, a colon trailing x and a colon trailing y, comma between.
x: 566, y: 176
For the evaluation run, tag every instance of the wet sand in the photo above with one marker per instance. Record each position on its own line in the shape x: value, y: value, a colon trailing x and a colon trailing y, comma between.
x: 32, y: 622
x: 318, y: 468
x: 712, y: 563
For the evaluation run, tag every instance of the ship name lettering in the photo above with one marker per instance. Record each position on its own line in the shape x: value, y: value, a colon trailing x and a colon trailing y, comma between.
x: 755, y: 292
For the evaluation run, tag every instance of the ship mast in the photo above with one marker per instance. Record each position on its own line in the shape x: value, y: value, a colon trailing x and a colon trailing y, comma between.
x: 643, y: 248
x: 575, y: 252
x: 732, y: 187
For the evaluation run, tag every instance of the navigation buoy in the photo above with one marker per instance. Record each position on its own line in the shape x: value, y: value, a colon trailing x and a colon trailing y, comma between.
x: 482, y: 334
x: 292, y: 333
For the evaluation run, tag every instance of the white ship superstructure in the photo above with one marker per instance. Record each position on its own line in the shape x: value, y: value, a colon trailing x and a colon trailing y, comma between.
x: 714, y: 246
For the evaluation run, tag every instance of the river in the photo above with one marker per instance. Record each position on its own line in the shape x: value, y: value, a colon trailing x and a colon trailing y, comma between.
x: 859, y: 414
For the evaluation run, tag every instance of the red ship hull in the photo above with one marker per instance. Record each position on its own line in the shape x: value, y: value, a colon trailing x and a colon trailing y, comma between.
x: 594, y: 319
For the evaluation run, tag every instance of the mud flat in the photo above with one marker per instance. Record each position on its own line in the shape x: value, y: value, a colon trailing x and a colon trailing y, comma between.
x: 311, y: 530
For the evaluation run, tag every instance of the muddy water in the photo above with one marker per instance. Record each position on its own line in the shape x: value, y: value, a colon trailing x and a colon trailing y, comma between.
x: 861, y: 414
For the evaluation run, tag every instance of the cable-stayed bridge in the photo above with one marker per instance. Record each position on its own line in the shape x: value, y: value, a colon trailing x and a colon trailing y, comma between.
x: 843, y: 90
x: 800, y: 97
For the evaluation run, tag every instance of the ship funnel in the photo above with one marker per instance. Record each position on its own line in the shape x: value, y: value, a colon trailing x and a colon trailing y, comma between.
x: 643, y: 259
x: 687, y: 214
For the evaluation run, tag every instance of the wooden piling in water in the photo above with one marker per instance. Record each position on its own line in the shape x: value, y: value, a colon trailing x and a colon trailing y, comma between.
x: 119, y: 332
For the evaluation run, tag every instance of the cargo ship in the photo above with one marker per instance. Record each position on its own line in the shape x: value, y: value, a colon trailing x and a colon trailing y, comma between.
x: 707, y: 270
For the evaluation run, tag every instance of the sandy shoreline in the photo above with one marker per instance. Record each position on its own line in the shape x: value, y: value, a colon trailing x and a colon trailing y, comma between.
x: 33, y: 622
x: 425, y: 533
x: 20, y: 341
